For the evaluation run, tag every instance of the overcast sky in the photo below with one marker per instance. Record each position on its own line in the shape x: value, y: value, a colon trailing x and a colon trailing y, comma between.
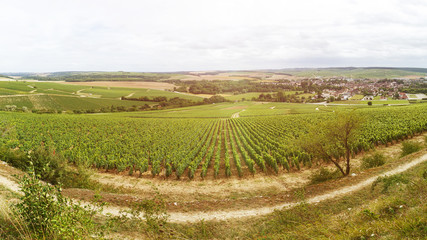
x: 180, y: 35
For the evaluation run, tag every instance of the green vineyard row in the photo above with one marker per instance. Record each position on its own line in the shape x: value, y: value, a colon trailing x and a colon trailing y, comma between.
x: 195, y: 147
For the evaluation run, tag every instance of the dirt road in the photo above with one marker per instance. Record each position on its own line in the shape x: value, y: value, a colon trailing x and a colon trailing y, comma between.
x: 224, y: 215
x: 237, y: 114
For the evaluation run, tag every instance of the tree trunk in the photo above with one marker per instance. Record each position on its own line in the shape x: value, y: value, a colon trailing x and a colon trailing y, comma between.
x: 339, y: 167
x: 347, y: 158
x: 347, y: 169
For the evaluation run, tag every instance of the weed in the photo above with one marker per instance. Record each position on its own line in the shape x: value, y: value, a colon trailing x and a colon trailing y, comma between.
x: 370, y: 215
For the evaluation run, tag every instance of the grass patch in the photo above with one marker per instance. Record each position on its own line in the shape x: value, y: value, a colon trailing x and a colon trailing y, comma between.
x: 409, y: 147
x: 372, y: 213
x: 323, y: 175
x: 375, y: 160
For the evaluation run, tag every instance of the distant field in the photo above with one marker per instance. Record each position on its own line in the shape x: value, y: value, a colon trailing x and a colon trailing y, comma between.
x: 356, y: 73
x: 124, y: 84
x: 250, y: 95
x: 245, y: 109
x: 221, y: 110
x: 58, y: 96
x: 247, y: 96
x: 64, y: 103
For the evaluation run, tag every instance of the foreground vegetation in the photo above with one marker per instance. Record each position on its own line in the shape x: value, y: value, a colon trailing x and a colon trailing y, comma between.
x: 393, y: 207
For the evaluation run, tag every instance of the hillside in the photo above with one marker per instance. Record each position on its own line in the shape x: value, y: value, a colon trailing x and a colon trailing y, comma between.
x: 347, y: 72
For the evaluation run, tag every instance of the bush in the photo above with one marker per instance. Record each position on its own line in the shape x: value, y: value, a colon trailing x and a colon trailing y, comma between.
x: 50, y: 215
x: 324, y: 175
x: 410, y: 147
x: 375, y: 160
x: 48, y: 166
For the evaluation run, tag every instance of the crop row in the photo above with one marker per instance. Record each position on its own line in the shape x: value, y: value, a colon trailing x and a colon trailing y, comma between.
x: 194, y: 147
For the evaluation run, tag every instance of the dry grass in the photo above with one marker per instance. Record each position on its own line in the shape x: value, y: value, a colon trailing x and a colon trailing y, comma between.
x: 12, y: 225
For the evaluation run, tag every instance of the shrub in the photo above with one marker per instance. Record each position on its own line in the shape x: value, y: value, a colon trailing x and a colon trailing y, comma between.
x: 47, y: 164
x: 324, y: 175
x: 409, y: 147
x: 375, y: 160
x: 50, y: 215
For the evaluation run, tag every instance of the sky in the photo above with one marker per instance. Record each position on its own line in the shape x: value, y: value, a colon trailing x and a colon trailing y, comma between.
x: 197, y: 35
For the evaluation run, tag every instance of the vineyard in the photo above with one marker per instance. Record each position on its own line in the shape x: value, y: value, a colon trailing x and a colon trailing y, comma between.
x: 195, y: 147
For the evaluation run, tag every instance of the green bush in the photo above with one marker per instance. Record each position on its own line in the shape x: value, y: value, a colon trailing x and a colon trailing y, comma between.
x: 48, y: 166
x: 409, y: 147
x: 374, y: 160
x: 324, y: 175
x: 50, y: 215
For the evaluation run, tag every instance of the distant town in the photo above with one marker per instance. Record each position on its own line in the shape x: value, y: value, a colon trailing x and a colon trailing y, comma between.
x: 340, y: 88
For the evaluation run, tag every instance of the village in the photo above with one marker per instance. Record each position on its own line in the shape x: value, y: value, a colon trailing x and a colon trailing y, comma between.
x: 341, y: 88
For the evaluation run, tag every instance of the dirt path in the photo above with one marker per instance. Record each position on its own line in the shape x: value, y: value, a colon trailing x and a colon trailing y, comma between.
x: 130, y: 95
x: 5, y: 181
x: 224, y: 215
x: 237, y: 114
x: 21, y: 95
x: 80, y: 91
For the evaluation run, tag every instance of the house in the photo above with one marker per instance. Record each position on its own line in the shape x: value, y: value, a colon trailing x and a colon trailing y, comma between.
x: 403, y: 95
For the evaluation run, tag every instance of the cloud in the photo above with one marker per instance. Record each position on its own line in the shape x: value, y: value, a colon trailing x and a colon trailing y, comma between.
x: 169, y: 35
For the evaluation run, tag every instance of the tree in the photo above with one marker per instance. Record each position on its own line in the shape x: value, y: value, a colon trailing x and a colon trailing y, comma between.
x: 333, y: 139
